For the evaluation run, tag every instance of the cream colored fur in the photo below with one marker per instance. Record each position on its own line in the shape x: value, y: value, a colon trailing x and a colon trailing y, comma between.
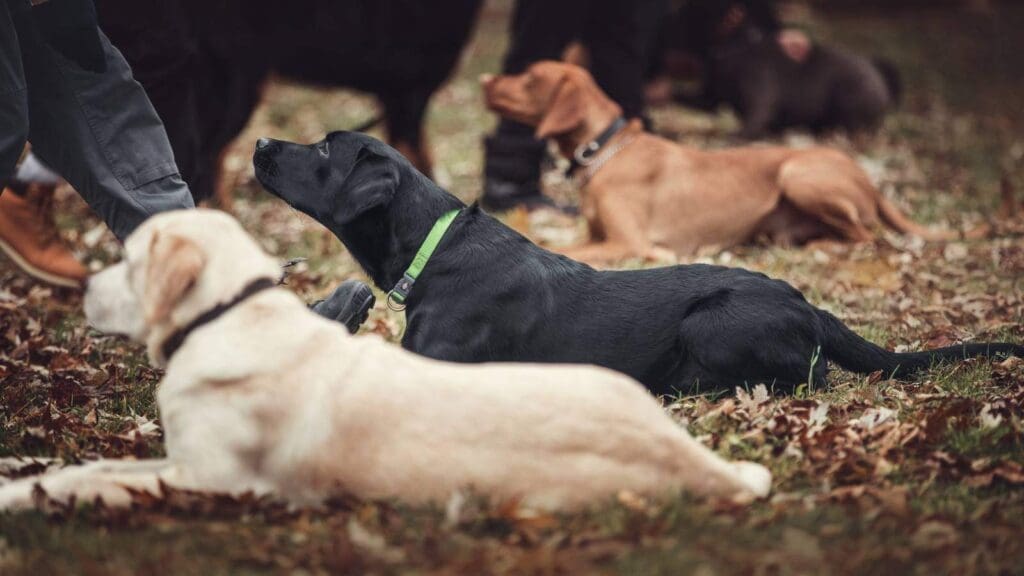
x: 274, y: 399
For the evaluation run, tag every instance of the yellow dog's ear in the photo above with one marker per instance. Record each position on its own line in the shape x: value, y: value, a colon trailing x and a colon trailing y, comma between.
x: 174, y: 266
x: 565, y: 112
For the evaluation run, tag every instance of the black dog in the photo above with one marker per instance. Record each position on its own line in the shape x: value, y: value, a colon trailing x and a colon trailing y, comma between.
x: 489, y: 294
x: 204, y: 63
x: 744, y: 67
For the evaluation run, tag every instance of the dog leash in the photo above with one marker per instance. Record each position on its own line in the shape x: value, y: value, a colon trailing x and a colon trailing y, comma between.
x: 398, y: 294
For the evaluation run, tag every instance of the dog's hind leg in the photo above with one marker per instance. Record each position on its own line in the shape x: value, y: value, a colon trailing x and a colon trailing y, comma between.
x: 112, y: 481
x: 830, y: 196
x: 405, y: 113
x: 839, y: 214
x: 763, y: 333
x: 693, y: 379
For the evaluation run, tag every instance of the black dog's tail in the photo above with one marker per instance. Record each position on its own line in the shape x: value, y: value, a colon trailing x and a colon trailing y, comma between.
x: 856, y: 354
x: 892, y: 77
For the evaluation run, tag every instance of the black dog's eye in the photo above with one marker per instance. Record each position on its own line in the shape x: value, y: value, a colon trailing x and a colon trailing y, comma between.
x: 324, y: 149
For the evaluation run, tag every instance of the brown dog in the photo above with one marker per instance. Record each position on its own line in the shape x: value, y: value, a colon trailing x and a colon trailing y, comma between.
x: 643, y: 195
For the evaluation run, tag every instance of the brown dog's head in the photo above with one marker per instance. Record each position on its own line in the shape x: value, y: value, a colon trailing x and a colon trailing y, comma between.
x: 561, y: 100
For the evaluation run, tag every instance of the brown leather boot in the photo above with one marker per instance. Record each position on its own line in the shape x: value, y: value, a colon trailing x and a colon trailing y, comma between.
x: 29, y: 237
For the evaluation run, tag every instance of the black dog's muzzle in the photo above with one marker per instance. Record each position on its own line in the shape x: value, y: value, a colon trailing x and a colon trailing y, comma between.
x: 263, y: 158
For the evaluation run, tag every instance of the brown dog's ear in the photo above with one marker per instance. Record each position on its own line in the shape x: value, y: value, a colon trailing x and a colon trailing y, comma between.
x: 565, y: 112
x: 174, y: 266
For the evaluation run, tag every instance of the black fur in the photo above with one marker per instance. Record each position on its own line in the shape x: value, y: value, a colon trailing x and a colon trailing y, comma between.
x: 401, y: 51
x: 747, y: 69
x: 489, y: 294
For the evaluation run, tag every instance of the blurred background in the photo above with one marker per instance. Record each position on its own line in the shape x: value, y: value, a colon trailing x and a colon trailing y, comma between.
x: 945, y: 149
x: 948, y: 153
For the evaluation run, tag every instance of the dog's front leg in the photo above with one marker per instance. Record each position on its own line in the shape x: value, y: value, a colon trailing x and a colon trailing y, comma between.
x: 405, y: 113
x: 599, y: 252
x: 619, y: 226
x: 109, y: 480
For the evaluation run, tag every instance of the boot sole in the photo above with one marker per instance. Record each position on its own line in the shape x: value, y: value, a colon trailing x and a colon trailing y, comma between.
x: 41, y: 275
x: 368, y: 300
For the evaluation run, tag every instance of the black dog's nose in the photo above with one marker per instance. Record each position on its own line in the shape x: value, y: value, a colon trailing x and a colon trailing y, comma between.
x: 262, y: 143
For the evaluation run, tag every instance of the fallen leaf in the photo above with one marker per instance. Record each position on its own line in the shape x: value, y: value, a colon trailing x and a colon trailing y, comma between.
x: 934, y: 535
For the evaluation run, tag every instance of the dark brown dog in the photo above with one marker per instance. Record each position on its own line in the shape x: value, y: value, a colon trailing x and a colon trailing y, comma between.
x: 745, y: 66
x: 644, y: 196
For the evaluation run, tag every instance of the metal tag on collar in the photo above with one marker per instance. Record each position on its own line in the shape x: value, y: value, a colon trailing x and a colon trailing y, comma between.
x: 398, y: 294
x: 584, y: 154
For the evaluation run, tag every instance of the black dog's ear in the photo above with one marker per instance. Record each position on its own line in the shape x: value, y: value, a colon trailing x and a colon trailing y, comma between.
x: 372, y: 182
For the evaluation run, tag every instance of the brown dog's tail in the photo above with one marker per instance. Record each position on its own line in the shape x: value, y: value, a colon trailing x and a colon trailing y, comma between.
x: 898, y: 221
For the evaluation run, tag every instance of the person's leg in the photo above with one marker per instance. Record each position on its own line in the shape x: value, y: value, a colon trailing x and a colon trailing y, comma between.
x: 156, y: 40
x: 28, y: 235
x: 539, y: 31
x: 13, y: 97
x: 100, y: 132
x: 620, y: 34
x: 28, y: 232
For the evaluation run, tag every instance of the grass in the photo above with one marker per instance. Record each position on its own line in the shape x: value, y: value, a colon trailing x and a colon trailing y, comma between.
x: 927, y: 489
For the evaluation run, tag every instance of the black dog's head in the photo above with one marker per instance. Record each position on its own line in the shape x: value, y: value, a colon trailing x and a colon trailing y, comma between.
x: 362, y: 190
x: 335, y: 180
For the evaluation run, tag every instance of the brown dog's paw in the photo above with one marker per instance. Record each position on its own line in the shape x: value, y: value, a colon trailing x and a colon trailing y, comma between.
x: 661, y: 255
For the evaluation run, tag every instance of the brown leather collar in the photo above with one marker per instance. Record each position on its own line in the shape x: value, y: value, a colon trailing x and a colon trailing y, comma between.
x: 174, y: 342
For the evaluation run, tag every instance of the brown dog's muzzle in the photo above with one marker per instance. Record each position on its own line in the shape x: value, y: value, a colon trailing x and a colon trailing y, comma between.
x: 507, y: 96
x: 489, y: 83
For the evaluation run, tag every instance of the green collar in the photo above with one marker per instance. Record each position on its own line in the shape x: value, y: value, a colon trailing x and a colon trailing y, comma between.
x: 398, y: 294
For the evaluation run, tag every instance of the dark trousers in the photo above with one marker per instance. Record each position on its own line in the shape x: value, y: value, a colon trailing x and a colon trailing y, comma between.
x: 616, y: 32
x: 157, y: 40
x: 618, y: 35
x: 96, y: 128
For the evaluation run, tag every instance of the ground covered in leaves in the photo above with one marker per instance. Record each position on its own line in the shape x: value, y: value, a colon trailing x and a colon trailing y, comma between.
x: 872, y: 475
